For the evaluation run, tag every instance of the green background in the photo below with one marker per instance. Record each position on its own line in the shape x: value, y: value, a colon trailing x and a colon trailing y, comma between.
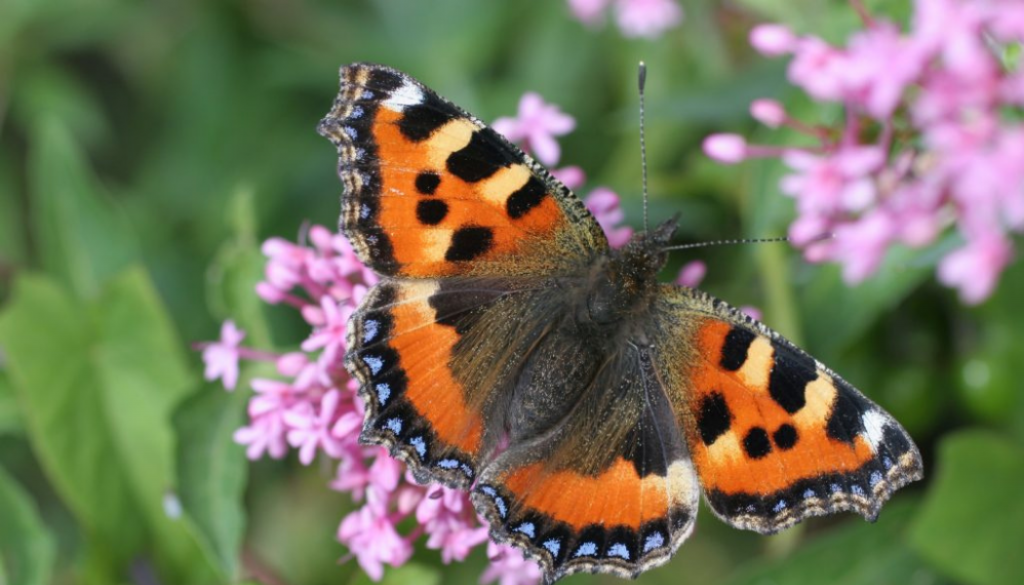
x: 147, y: 148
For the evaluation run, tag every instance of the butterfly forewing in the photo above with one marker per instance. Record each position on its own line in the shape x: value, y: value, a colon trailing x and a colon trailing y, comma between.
x: 431, y: 191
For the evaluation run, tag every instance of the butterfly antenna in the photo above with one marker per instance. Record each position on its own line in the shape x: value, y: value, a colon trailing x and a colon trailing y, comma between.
x: 641, y: 81
x: 725, y: 243
x: 825, y: 236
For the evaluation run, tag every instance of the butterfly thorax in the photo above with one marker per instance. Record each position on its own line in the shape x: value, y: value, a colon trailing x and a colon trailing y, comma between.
x: 624, y: 281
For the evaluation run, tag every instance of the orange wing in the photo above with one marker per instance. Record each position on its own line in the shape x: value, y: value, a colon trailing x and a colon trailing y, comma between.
x: 610, y: 489
x: 401, y: 344
x: 775, y: 436
x: 431, y: 191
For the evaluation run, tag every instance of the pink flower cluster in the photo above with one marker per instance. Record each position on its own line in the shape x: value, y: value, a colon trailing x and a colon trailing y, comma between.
x: 932, y: 139
x: 636, y: 18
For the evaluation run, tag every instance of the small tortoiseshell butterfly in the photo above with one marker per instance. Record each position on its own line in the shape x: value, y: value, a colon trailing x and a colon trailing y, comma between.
x: 508, y: 350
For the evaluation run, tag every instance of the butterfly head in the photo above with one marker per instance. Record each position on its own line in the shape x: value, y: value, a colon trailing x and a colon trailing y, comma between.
x: 645, y: 253
x: 624, y: 281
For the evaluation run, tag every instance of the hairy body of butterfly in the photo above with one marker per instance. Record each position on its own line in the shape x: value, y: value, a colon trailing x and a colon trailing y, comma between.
x: 510, y: 351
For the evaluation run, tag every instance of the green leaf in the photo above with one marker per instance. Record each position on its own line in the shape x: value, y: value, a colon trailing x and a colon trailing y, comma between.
x: 47, y: 337
x: 13, y: 240
x: 82, y: 237
x: 10, y: 418
x: 98, y: 383
x: 233, y: 275
x: 836, y: 313
x: 857, y: 553
x: 27, y: 549
x: 212, y: 470
x: 971, y: 526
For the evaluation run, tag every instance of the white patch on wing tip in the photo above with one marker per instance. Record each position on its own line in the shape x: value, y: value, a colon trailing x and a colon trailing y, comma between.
x: 405, y: 96
x: 874, y: 427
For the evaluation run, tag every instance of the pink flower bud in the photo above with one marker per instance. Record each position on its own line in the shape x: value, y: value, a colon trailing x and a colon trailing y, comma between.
x: 772, y: 40
x: 290, y: 364
x: 322, y: 238
x: 269, y: 293
x: 726, y: 148
x: 572, y: 176
x: 752, y: 312
x: 768, y: 112
x: 692, y: 274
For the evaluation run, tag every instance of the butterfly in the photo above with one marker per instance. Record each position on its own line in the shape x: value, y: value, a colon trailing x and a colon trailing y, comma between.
x: 510, y: 351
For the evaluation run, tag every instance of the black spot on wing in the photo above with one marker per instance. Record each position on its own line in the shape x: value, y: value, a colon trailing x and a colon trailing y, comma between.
x: 420, y: 121
x: 756, y: 443
x: 791, y: 372
x: 734, y: 350
x: 785, y: 437
x: 526, y: 198
x: 427, y: 182
x: 845, y: 421
x: 431, y: 211
x: 479, y: 159
x: 384, y: 80
x: 469, y: 243
x: 713, y: 418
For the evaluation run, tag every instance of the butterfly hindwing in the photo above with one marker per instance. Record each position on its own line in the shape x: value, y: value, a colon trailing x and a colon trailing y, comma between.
x: 610, y: 488
x: 401, y: 341
x: 775, y: 436
x: 431, y: 191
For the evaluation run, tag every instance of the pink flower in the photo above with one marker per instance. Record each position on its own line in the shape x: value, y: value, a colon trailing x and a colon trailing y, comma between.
x: 838, y: 182
x: 647, y: 18
x: 509, y: 567
x: 221, y: 357
x: 861, y: 245
x: 604, y: 204
x: 310, y: 430
x: 449, y: 519
x: 330, y: 335
x: 588, y: 12
x: 536, y: 126
x: 975, y: 268
x: 880, y: 65
x: 271, y: 396
x: 264, y: 434
x: 373, y: 538
x: 819, y: 69
x: 286, y: 262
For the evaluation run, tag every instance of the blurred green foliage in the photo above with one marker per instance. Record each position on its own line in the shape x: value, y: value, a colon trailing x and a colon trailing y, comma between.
x: 147, y: 148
